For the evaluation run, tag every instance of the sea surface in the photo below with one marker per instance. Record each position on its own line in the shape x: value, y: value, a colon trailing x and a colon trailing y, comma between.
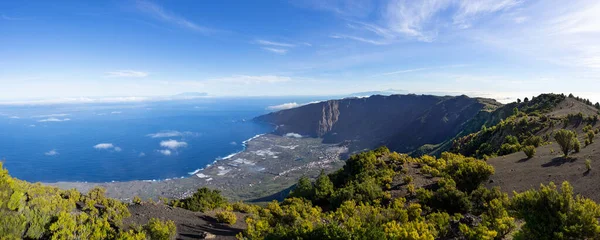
x: 126, y: 141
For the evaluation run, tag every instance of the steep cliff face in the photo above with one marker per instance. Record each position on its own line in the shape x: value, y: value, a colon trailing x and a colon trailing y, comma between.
x: 402, y: 122
x: 330, y: 113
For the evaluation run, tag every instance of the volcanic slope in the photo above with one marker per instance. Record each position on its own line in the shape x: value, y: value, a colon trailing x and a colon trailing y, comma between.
x: 503, y: 146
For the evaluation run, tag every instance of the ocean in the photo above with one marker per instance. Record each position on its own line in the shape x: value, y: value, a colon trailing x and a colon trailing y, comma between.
x: 127, y: 141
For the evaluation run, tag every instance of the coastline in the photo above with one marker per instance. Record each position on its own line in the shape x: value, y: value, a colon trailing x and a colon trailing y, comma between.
x: 267, y: 164
x: 244, y: 146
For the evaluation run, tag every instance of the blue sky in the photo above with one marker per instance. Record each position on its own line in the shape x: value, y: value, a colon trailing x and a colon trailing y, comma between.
x: 490, y: 48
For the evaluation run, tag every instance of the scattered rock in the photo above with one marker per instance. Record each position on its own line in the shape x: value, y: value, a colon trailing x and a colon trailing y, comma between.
x: 206, y: 235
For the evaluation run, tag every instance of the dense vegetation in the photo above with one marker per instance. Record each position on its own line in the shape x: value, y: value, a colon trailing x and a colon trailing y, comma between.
x: 527, y: 127
x: 35, y: 211
x: 356, y: 203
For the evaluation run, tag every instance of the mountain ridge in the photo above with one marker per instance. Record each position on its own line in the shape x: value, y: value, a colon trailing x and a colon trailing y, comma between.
x: 402, y: 122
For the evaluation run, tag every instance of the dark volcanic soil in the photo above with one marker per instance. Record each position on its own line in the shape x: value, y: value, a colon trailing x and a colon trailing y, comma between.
x: 515, y: 172
x: 190, y: 225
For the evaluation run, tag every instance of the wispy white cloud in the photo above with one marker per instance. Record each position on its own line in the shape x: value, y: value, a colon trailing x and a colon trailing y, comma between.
x: 293, y: 135
x: 52, y: 152
x: 173, y: 144
x: 52, y: 115
x: 160, y: 13
x: 107, y: 146
x: 170, y: 133
x: 283, y: 106
x: 165, y: 152
x: 127, y: 73
x: 104, y: 146
x: 279, y: 47
x: 9, y: 18
x: 280, y: 51
x: 276, y: 44
x: 470, y: 10
x: 419, y: 69
x: 247, y: 79
x: 54, y: 120
x: 116, y: 112
x: 14, y: 117
x: 360, y: 39
x: 422, y: 20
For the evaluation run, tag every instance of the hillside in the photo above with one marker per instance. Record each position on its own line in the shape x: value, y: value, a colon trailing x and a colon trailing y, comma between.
x: 402, y: 122
x: 377, y: 194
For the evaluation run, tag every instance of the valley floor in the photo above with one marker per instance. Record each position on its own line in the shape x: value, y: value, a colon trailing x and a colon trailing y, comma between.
x: 269, y: 164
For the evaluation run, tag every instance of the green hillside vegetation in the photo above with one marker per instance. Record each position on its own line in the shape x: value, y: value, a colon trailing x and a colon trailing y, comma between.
x: 527, y: 126
x: 510, y: 113
x: 355, y: 203
x: 359, y: 201
x: 35, y: 211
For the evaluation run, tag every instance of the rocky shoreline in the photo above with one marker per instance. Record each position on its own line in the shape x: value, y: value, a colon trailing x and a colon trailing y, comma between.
x: 269, y: 164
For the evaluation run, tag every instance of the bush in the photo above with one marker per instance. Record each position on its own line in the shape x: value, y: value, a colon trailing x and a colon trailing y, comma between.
x: 226, y: 217
x: 137, y: 200
x: 576, y: 145
x: 590, y: 136
x: 535, y: 141
x: 203, y: 200
x: 567, y: 140
x: 507, y: 148
x: 550, y: 214
x: 407, y: 179
x: 159, y: 230
x: 304, y: 189
x: 588, y: 164
x: 245, y: 208
x: 467, y: 172
x: 529, y: 151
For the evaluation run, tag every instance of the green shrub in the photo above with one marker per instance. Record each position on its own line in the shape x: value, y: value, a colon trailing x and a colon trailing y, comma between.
x: 137, y: 200
x: 507, y: 148
x: 590, y: 136
x: 304, y: 189
x: 550, y: 214
x: 226, y: 217
x: 567, y: 140
x: 588, y: 164
x: 535, y: 141
x: 576, y: 145
x: 204, y: 199
x: 467, y: 172
x: 447, y: 198
x: 529, y: 151
x: 407, y: 179
x: 323, y: 187
x: 159, y: 230
x: 245, y: 208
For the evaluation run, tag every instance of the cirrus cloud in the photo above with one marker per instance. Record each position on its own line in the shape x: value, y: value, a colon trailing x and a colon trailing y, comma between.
x: 53, y: 119
x: 127, y: 73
